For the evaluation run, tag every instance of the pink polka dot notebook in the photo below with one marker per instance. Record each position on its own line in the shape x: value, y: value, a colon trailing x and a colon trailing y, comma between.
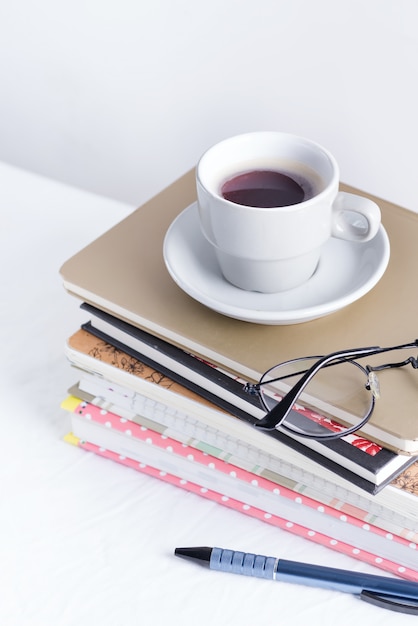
x: 197, y: 470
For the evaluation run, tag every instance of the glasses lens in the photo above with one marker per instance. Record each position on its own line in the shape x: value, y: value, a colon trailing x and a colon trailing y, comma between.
x: 335, y: 399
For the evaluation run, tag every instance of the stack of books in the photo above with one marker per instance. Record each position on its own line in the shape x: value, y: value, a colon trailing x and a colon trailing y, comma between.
x: 159, y: 387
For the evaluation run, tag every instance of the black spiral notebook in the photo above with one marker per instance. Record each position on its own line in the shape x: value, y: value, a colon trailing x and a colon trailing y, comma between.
x: 365, y: 465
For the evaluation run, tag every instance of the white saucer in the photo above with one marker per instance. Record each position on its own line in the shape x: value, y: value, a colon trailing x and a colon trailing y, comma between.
x: 346, y: 272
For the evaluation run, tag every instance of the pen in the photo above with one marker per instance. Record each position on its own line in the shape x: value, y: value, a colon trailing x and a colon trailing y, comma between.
x: 390, y: 593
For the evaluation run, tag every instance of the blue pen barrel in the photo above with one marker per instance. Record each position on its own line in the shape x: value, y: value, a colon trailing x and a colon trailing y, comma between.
x: 243, y: 563
x: 344, y: 580
x: 390, y: 593
x: 259, y: 566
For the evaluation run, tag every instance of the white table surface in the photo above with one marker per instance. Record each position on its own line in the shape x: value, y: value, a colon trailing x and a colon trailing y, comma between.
x: 83, y: 540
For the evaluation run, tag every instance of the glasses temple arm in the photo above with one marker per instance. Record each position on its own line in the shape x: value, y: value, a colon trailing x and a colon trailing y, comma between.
x: 279, y: 413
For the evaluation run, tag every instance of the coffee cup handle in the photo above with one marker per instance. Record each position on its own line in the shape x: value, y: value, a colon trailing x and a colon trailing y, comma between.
x: 354, y: 217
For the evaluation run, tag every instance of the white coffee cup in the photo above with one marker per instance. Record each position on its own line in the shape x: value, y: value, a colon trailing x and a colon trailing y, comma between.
x: 277, y: 248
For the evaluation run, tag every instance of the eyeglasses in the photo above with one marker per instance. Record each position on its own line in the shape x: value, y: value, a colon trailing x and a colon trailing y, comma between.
x: 337, y: 394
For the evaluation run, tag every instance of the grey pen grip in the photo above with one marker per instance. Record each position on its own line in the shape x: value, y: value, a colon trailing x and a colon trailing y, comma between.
x: 243, y: 563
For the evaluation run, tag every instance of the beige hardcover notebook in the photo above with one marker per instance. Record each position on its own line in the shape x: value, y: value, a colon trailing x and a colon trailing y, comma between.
x: 123, y: 272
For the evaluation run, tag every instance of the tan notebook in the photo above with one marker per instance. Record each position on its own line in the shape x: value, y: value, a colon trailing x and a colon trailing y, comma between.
x: 123, y: 272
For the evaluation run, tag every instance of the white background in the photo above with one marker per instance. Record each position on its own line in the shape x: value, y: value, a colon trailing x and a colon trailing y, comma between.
x: 122, y: 97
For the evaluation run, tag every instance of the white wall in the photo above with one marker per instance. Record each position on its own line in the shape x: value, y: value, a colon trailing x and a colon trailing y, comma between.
x: 122, y: 96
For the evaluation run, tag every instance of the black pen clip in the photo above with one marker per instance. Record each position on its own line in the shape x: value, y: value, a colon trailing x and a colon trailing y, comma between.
x: 393, y: 603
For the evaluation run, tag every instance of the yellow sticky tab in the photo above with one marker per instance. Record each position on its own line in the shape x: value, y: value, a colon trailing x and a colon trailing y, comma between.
x: 72, y: 439
x: 70, y: 403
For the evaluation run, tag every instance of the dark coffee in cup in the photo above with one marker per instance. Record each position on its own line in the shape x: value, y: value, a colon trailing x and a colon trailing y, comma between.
x: 267, y: 189
x: 275, y: 244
